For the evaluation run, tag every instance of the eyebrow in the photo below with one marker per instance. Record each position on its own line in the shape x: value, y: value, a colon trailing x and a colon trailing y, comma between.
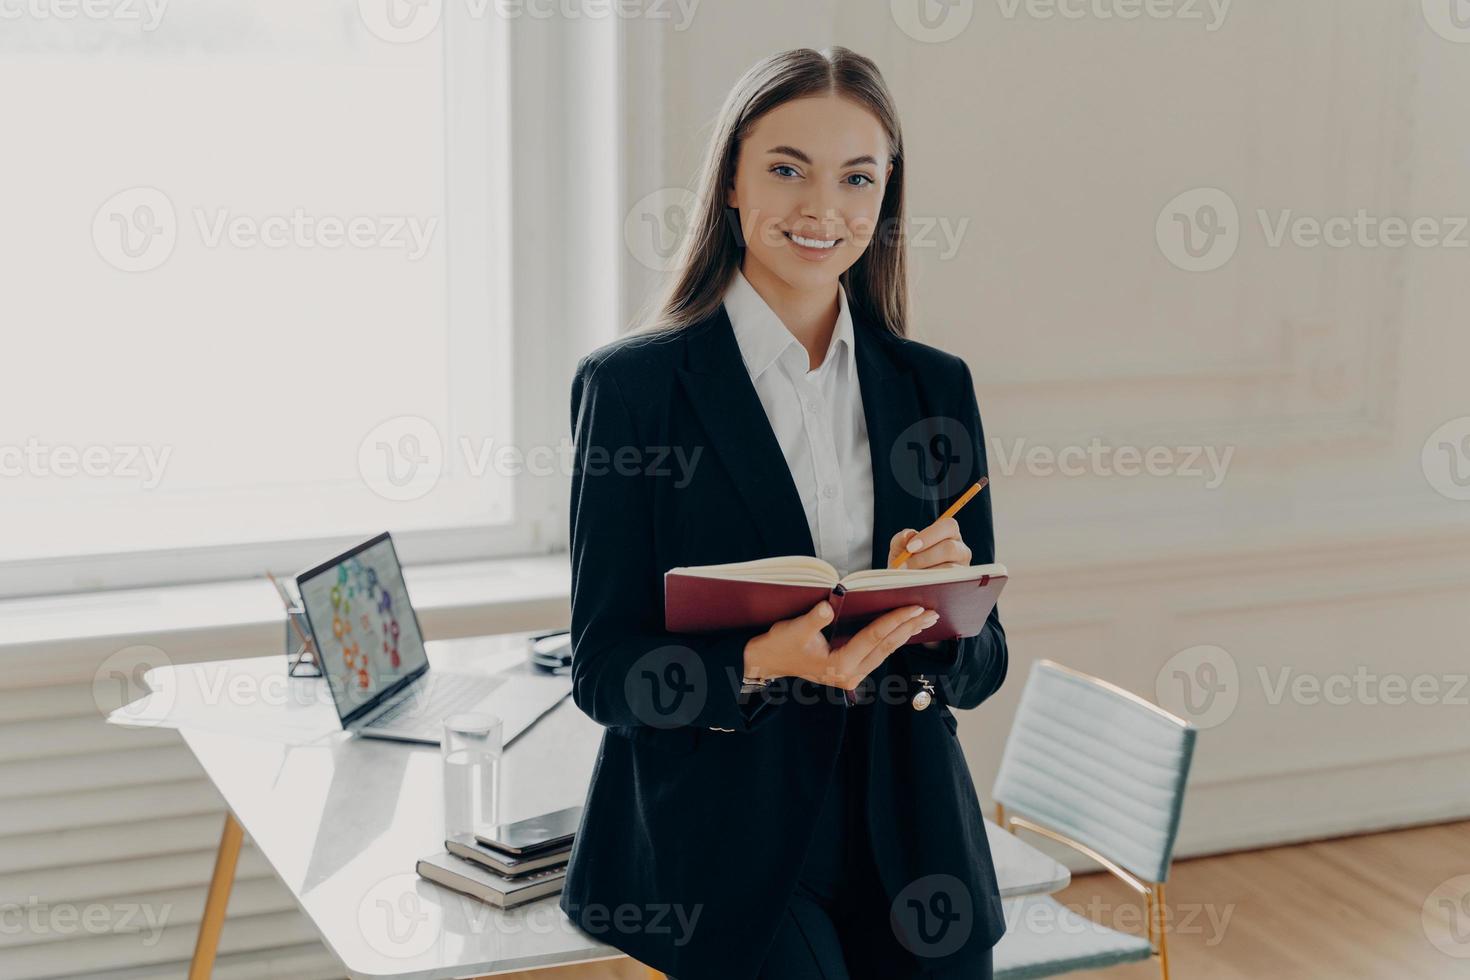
x: 792, y: 151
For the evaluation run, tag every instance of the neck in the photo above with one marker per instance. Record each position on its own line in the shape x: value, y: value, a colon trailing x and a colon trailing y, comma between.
x: 810, y: 314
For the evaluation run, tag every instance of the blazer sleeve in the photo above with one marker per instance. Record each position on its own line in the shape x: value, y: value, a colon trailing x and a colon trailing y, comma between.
x: 627, y: 670
x: 972, y: 668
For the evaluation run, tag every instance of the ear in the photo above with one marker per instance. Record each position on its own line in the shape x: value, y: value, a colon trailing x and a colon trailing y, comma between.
x: 731, y: 201
x: 889, y: 172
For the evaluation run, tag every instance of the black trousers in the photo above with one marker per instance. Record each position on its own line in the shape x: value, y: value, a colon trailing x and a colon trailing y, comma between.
x: 836, y: 926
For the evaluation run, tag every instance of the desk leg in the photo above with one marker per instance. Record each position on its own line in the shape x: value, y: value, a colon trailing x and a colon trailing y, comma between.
x: 202, y: 966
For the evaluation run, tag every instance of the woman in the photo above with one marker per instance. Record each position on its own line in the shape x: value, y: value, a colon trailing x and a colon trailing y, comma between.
x: 746, y: 818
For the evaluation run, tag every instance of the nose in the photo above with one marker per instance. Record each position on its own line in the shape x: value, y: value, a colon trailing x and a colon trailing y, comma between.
x: 820, y: 205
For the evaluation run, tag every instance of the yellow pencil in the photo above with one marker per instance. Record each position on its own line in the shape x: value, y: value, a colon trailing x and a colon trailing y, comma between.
x: 950, y: 511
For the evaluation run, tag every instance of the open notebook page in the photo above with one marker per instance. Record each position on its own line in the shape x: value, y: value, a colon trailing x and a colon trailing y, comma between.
x: 784, y: 570
x: 885, y: 578
x: 806, y: 570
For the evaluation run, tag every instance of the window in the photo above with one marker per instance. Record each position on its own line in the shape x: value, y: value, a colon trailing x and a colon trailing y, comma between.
x: 256, y: 297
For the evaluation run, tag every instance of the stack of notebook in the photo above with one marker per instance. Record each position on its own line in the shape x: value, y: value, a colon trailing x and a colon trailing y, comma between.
x: 509, y: 864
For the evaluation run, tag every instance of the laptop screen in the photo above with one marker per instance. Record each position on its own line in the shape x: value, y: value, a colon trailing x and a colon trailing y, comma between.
x: 362, y: 623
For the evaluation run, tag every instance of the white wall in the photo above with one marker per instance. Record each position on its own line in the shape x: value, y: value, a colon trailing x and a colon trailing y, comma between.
x: 1050, y: 148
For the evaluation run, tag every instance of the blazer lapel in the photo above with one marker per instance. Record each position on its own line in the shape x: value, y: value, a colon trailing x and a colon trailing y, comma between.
x: 733, y: 417
x: 891, y: 408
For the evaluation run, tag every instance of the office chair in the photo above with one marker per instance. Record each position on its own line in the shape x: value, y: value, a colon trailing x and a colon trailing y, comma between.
x: 1103, y: 771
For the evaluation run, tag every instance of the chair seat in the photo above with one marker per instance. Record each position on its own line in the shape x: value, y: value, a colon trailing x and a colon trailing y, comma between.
x: 1044, y: 938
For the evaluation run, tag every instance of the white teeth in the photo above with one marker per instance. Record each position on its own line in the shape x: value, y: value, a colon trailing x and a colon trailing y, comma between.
x: 814, y: 242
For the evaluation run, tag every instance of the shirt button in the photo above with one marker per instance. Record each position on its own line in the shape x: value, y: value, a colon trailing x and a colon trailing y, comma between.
x: 812, y: 406
x: 828, y: 493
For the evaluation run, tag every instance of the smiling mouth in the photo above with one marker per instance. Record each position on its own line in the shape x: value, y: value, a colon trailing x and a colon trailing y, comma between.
x: 817, y: 243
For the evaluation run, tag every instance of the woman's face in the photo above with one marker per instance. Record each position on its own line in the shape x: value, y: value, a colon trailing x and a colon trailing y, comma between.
x: 809, y: 187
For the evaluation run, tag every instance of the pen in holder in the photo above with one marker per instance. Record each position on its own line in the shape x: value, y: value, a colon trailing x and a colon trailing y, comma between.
x: 303, y: 661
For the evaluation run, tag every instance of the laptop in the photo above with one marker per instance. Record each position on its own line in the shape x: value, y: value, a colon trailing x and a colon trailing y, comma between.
x: 372, y: 654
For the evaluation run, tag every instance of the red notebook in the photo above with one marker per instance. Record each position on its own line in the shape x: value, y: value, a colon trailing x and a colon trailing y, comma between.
x: 705, y: 598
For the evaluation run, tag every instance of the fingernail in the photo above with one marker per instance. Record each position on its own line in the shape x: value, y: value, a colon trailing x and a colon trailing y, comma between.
x: 914, y: 545
x: 930, y: 620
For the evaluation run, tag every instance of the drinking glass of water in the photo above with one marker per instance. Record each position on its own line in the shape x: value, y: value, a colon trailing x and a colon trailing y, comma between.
x: 471, y: 747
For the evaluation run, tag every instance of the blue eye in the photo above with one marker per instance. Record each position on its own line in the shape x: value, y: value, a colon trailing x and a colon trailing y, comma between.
x: 866, y: 180
x: 784, y: 170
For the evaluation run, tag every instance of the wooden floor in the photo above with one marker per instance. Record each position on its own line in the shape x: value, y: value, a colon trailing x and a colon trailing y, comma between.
x: 1345, y: 908
x: 1340, y: 909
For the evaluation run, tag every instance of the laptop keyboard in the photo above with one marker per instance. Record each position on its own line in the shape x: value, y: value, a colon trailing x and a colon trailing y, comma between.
x: 435, y: 698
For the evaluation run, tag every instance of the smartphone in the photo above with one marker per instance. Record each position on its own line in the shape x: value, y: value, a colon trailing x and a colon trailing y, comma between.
x: 552, y: 651
x: 535, y: 834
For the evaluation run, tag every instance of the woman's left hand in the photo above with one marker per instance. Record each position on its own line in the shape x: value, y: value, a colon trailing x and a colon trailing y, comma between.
x: 938, y: 545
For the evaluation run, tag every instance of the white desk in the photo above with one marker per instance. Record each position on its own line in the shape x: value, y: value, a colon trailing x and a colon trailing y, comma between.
x: 342, y: 820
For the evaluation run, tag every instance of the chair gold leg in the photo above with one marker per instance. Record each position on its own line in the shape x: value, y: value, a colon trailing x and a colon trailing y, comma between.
x: 225, y: 859
x: 1148, y: 898
x: 1163, y: 944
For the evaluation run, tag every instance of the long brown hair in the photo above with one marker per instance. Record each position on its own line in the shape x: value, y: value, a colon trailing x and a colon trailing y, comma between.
x: 877, y: 283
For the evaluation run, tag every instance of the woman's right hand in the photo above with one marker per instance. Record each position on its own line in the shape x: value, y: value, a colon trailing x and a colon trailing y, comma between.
x: 797, y: 648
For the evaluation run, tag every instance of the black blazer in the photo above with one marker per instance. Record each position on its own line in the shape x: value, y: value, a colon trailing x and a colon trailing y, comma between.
x: 702, y: 802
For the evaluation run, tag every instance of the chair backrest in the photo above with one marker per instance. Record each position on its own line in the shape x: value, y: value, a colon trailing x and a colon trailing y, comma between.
x: 1099, y: 765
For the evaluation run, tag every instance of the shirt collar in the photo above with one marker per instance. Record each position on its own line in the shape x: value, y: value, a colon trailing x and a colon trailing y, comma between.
x: 763, y: 338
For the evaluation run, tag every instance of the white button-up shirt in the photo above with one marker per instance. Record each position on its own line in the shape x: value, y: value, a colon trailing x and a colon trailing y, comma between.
x: 817, y: 416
